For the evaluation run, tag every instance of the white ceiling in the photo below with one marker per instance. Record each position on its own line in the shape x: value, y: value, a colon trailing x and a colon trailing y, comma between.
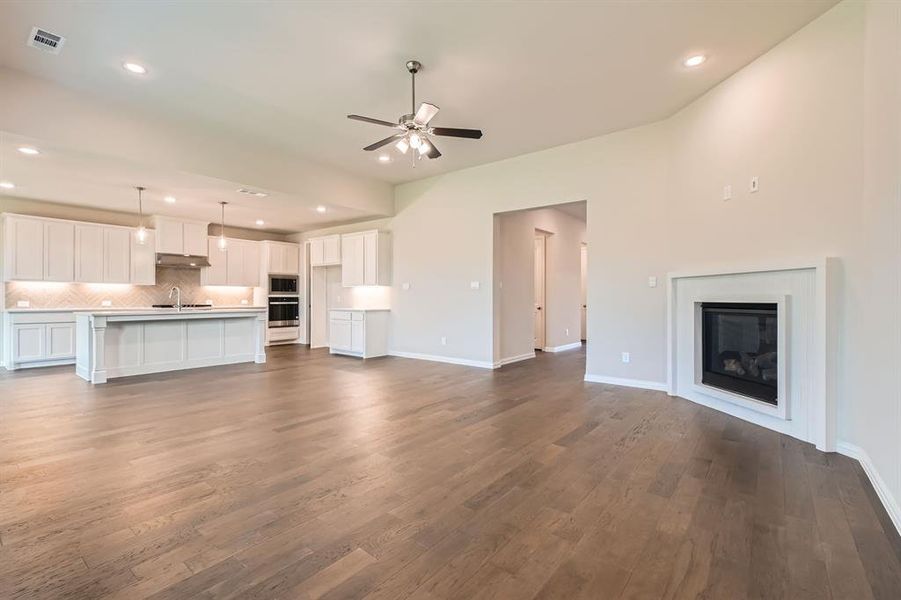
x: 531, y: 75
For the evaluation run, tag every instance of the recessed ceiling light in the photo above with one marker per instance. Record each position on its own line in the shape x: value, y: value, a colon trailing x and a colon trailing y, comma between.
x: 169, y: 199
x: 135, y: 68
x: 7, y: 185
x: 261, y: 222
x: 694, y: 61
x: 29, y: 150
x: 384, y: 158
x: 320, y: 209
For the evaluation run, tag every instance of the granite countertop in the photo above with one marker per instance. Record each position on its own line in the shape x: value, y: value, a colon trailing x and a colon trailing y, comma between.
x: 126, y: 309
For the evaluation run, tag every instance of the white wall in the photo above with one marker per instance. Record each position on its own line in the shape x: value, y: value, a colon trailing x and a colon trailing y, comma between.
x: 805, y: 118
x: 514, y: 280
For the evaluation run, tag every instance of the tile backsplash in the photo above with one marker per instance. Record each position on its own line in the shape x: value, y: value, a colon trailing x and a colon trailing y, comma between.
x: 42, y: 294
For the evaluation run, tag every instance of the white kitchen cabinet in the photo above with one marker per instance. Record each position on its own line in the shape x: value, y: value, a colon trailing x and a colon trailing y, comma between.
x: 366, y: 258
x: 116, y: 255
x: 174, y: 236
x: 36, y: 339
x: 217, y: 272
x: 23, y: 249
x: 89, y: 244
x: 361, y: 333
x: 143, y: 259
x: 195, y: 238
x: 325, y: 251
x: 238, y: 264
x: 59, y: 251
x: 281, y: 258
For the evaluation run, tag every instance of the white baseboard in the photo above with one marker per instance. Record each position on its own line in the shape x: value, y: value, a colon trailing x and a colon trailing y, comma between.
x: 513, y: 359
x: 633, y: 383
x: 443, y: 359
x: 571, y: 346
x: 885, y: 495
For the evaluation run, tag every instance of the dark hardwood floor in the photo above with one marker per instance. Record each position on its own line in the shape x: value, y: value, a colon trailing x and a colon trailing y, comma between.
x: 323, y: 477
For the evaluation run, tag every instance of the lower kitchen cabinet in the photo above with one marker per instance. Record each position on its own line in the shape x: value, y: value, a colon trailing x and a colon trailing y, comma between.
x: 38, y: 339
x: 358, y: 332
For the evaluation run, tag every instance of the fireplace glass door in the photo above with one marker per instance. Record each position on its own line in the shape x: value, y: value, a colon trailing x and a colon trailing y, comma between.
x: 739, y: 342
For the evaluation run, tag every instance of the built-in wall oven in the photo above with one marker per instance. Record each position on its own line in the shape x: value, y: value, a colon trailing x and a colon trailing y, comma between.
x: 284, y: 311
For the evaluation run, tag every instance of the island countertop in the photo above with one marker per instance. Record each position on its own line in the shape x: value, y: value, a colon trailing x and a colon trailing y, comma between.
x: 171, y: 313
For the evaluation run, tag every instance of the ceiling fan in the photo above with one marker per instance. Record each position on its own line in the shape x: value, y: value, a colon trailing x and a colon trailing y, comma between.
x: 414, y: 129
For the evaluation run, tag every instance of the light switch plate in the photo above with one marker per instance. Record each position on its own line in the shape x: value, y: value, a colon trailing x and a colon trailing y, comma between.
x: 405, y: 286
x: 443, y: 341
x: 474, y: 285
x: 727, y: 192
x: 627, y: 357
x: 652, y: 281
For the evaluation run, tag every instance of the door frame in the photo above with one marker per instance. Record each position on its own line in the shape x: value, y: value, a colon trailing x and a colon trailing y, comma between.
x: 539, y: 273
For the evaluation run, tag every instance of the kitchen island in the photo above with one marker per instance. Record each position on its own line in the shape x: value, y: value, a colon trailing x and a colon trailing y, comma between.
x: 119, y: 343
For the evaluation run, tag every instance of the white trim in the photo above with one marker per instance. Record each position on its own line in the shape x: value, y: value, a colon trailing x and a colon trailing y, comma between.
x: 633, y: 383
x: 513, y: 359
x: 882, y: 490
x: 442, y: 359
x: 571, y: 346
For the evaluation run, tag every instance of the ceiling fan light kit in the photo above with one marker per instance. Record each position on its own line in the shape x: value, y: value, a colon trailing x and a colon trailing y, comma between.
x: 415, y: 130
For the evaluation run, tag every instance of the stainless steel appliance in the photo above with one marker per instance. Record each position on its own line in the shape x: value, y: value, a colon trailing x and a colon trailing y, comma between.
x: 283, y: 284
x: 284, y: 311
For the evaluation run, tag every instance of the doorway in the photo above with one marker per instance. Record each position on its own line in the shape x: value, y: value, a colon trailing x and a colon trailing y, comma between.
x: 583, y: 292
x: 539, y: 287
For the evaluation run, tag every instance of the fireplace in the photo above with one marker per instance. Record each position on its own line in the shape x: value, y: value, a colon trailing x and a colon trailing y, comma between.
x: 739, y: 343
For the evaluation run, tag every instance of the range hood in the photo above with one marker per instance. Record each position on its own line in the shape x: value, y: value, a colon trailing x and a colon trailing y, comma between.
x: 180, y: 261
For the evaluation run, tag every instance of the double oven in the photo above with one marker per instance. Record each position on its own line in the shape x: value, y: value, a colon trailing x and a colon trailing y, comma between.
x: 284, y: 301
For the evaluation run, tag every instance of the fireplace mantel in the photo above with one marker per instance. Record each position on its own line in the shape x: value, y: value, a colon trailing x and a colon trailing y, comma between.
x: 813, y: 396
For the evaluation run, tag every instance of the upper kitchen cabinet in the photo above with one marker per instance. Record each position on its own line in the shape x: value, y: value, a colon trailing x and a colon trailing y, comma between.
x: 238, y: 264
x: 366, y: 258
x: 143, y: 259
x: 177, y: 236
x: 43, y: 249
x: 38, y: 249
x: 281, y: 258
x: 325, y: 251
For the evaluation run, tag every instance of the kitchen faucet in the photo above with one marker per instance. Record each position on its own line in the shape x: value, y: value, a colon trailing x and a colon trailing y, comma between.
x: 177, y: 291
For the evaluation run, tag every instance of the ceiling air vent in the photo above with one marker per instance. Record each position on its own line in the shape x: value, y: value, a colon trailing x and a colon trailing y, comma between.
x: 46, y: 41
x: 256, y: 193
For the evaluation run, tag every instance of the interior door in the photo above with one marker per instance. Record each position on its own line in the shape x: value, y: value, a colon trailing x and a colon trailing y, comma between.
x: 539, y: 287
x: 583, y: 300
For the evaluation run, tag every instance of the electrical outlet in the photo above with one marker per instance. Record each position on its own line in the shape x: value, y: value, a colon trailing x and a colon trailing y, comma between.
x: 755, y: 184
x: 244, y: 301
x: 405, y: 286
x: 106, y: 303
x: 567, y: 332
x: 727, y: 192
x: 474, y: 285
x: 627, y: 357
x: 23, y: 304
x: 443, y: 341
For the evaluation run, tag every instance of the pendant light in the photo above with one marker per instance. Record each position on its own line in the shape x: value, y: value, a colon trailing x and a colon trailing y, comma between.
x: 141, y: 235
x: 222, y: 243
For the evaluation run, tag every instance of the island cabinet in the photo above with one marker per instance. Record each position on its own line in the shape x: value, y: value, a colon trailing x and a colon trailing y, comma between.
x: 45, y: 249
x: 38, y: 339
x: 365, y: 258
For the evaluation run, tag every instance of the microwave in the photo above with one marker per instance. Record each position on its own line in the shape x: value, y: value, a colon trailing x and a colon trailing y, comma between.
x: 283, y: 284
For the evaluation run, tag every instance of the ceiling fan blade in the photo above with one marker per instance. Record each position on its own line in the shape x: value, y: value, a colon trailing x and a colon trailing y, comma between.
x: 433, y: 151
x: 455, y: 132
x: 373, y: 121
x: 425, y: 113
x: 383, y: 142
